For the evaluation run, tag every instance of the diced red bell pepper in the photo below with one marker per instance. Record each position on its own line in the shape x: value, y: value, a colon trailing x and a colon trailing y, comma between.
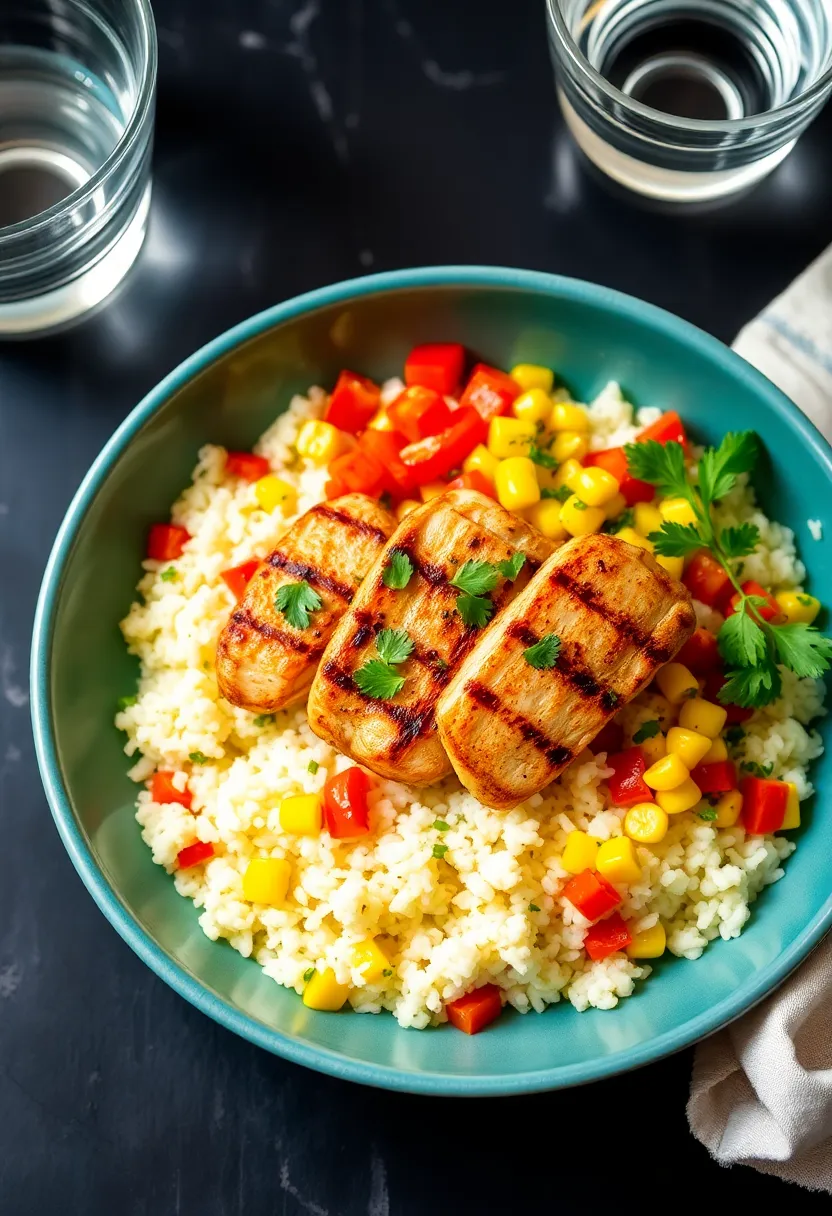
x: 769, y: 611
x: 246, y: 465
x: 435, y: 456
x: 473, y: 1011
x: 707, y: 580
x: 346, y: 813
x: 489, y: 391
x: 475, y: 480
x: 356, y: 472
x: 591, y: 894
x: 354, y: 401
x: 607, y: 937
x: 763, y: 804
x: 385, y: 447
x: 238, y: 577
x: 614, y: 460
x: 165, y: 542
x: 669, y: 428
x: 436, y: 365
x: 162, y: 789
x: 714, y: 681
x: 419, y: 412
x: 626, y: 785
x: 716, y: 778
x: 609, y: 738
x: 193, y: 854
x: 700, y: 653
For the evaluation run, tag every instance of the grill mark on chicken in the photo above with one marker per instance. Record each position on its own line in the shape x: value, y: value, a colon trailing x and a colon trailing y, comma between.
x: 311, y: 575
x: 357, y: 525
x: 623, y: 625
x: 244, y: 619
x: 489, y: 700
x: 411, y: 721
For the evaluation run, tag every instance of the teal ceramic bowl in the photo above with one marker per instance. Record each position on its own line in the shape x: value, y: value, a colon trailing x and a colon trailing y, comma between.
x: 227, y: 393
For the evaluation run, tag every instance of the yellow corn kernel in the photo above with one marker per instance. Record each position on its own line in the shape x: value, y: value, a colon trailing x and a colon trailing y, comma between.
x: 677, y: 683
x: 532, y: 375
x: 510, y: 437
x: 320, y: 442
x: 369, y: 958
x: 569, y: 444
x: 405, y: 507
x: 649, y: 943
x: 646, y: 822
x: 653, y: 749
x: 617, y: 860
x: 567, y: 475
x: 545, y: 515
x: 532, y: 406
x: 301, y: 815
x: 716, y: 752
x: 728, y: 807
x: 516, y: 483
x: 381, y: 421
x: 568, y: 417
x: 681, y: 799
x: 579, y: 853
x: 647, y: 518
x: 432, y: 489
x: 615, y: 506
x: 667, y: 773
x: 266, y: 880
x: 792, y: 816
x: 635, y: 538
x: 481, y: 461
x: 688, y: 745
x: 597, y: 487
x: 702, y: 716
x: 677, y: 511
x: 674, y: 566
x: 323, y: 992
x: 798, y: 608
x: 579, y: 519
x: 272, y: 492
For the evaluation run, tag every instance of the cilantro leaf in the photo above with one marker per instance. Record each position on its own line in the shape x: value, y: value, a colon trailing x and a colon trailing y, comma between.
x: 662, y: 464
x: 398, y: 571
x: 126, y: 702
x: 394, y: 645
x: 439, y: 851
x: 720, y: 467
x: 561, y: 494
x: 803, y: 649
x: 739, y: 541
x: 751, y: 687
x: 708, y: 814
x: 307, y: 975
x: 676, y: 540
x: 625, y: 520
x: 378, y: 680
x: 312, y: 767
x: 758, y: 770
x: 296, y: 601
x: 441, y: 825
x: 543, y: 459
x: 543, y: 654
x: 197, y: 758
x: 475, y: 578
x: 534, y: 908
x: 512, y: 567
x: 734, y: 735
x: 647, y: 730
x: 263, y: 719
x: 741, y: 641
x: 168, y: 576
x: 475, y: 611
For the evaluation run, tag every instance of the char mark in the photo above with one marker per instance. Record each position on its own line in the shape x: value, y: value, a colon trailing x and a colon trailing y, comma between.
x: 411, y: 721
x: 311, y: 575
x: 623, y: 625
x: 242, y: 619
x: 324, y: 511
x: 488, y: 699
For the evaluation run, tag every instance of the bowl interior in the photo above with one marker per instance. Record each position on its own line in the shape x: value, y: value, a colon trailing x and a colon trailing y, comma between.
x: 229, y: 394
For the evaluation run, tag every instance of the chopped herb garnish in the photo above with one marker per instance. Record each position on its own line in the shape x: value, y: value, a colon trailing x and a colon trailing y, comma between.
x: 734, y: 735
x: 378, y: 677
x: 806, y: 600
x: 439, y: 851
x: 543, y: 459
x: 394, y: 645
x: 758, y: 770
x: 296, y: 601
x: 398, y: 571
x: 476, y: 578
x: 126, y: 702
x: 307, y: 975
x: 579, y: 504
x: 626, y: 519
x: 534, y: 908
x: 312, y: 767
x: 512, y: 567
x: 561, y: 493
x: 263, y: 719
x: 543, y: 654
x: 441, y: 825
x: 475, y: 610
x: 708, y: 814
x: 167, y: 576
x: 611, y: 697
x: 198, y: 758
x: 387, y: 972
x: 647, y: 730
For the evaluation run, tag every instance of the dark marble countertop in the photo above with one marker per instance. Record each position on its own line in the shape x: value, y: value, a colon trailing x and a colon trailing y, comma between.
x: 300, y: 142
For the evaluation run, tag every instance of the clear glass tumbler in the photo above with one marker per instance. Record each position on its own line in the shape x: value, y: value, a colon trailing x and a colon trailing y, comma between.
x: 690, y: 100
x: 77, y: 90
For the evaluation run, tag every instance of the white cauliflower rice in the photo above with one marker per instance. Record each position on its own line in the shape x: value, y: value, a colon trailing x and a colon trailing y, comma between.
x: 491, y: 908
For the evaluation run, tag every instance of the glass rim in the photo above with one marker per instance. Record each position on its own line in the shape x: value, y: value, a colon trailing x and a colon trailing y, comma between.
x: 670, y: 121
x: 126, y: 141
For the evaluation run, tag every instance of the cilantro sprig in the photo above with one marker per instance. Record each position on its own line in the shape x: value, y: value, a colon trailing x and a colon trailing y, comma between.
x: 296, y: 601
x: 753, y: 647
x: 378, y: 678
x: 398, y: 571
x: 475, y: 579
x: 543, y: 654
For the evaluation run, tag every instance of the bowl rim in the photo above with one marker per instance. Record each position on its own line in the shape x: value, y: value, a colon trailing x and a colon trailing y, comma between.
x: 323, y: 1059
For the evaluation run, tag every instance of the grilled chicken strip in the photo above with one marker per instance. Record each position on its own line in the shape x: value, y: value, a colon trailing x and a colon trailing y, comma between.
x: 397, y: 737
x: 263, y: 662
x: 509, y: 728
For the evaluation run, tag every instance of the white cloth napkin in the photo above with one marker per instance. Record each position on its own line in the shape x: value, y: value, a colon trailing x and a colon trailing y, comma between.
x: 761, y: 1090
